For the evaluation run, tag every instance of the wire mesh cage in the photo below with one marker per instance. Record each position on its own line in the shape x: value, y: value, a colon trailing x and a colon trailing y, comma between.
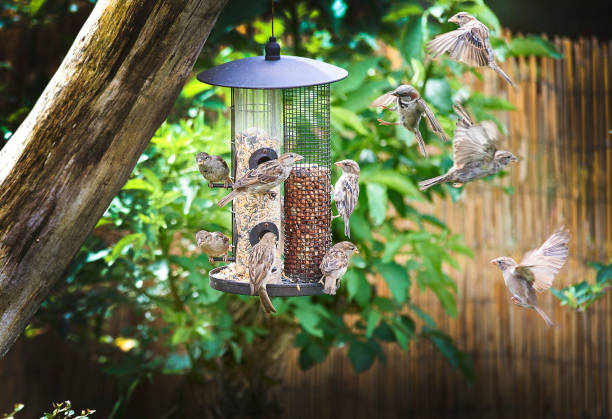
x: 307, y: 204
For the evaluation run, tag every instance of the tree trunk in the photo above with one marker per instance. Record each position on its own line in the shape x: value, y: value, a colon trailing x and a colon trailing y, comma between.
x: 75, y: 150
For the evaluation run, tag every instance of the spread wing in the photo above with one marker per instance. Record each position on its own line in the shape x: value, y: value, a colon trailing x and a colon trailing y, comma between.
x: 468, y: 45
x: 433, y: 122
x: 473, y: 142
x: 261, y: 260
x: 384, y: 100
x: 265, y: 173
x: 334, y: 260
x: 541, y: 265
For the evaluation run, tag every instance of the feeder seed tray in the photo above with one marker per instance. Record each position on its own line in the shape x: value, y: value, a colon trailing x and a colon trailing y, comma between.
x: 286, y: 288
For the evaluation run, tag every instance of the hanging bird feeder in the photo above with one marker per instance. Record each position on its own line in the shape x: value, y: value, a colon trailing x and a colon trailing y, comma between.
x: 279, y: 104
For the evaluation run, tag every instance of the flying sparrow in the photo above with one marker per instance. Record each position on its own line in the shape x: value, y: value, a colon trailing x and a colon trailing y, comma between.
x: 475, y: 153
x: 264, y: 177
x: 346, y: 192
x: 261, y: 262
x: 411, y: 107
x: 469, y: 44
x: 214, y: 169
x: 213, y: 244
x: 535, y: 272
x: 334, y: 265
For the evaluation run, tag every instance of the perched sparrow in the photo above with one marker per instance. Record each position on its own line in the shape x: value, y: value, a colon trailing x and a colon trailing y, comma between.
x: 214, y: 169
x: 536, y: 271
x: 334, y: 264
x: 213, y: 244
x: 264, y: 177
x: 261, y: 262
x: 411, y: 108
x: 346, y: 192
x: 469, y: 44
x: 474, y: 152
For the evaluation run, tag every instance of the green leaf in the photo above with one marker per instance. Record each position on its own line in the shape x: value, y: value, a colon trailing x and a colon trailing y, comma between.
x: 384, y: 332
x: 359, y: 73
x: 533, y: 45
x: 374, y: 317
x: 604, y: 274
x: 152, y: 178
x: 347, y: 119
x: 439, y: 94
x: 137, y: 183
x: 393, y: 180
x: 377, y: 202
x: 131, y: 239
x: 454, y: 356
x: 411, y: 39
x: 361, y: 356
x: 358, y: 287
x: 396, y: 277
x: 35, y: 6
x: 399, y: 11
x: 309, y: 320
x: 424, y: 316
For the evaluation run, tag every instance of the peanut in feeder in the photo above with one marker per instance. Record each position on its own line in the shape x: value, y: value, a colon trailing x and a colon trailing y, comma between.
x: 280, y: 104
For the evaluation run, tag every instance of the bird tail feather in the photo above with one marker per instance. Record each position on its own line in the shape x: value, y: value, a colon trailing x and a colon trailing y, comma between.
x: 267, y: 305
x: 426, y: 184
x: 501, y: 72
x: 547, y: 319
x: 230, y: 196
x: 347, y: 227
x: 421, y: 142
x: 330, y: 285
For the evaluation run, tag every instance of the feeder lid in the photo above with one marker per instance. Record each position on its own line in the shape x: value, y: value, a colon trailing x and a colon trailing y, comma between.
x: 283, y: 73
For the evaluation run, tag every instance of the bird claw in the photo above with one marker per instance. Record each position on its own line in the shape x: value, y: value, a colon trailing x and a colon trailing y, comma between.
x: 517, y: 301
x: 225, y: 256
x: 210, y: 185
x: 382, y: 122
x: 211, y: 260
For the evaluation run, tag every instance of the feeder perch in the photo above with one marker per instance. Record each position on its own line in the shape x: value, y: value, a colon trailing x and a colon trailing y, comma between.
x: 280, y: 104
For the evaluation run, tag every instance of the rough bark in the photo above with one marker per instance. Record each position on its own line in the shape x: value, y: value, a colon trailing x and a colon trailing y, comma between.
x: 77, y: 147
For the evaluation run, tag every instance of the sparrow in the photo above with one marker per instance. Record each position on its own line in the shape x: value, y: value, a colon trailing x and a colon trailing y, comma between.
x: 213, y: 244
x: 214, y: 169
x: 334, y: 265
x: 469, y: 44
x: 346, y: 192
x: 261, y: 261
x: 475, y: 153
x: 264, y: 177
x: 536, y: 271
x: 411, y: 107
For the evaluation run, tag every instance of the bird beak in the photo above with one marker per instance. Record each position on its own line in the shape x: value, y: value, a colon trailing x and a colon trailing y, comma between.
x: 298, y: 158
x: 453, y: 19
x: 338, y: 164
x: 493, y: 262
x: 395, y: 94
x: 357, y: 251
x: 514, y: 159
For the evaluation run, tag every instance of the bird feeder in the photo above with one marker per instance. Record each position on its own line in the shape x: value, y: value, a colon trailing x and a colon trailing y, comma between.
x: 279, y: 104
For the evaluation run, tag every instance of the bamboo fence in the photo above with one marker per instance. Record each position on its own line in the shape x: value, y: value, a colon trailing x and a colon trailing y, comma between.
x: 561, y: 130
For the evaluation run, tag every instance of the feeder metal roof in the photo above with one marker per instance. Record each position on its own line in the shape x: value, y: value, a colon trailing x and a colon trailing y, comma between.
x: 283, y: 73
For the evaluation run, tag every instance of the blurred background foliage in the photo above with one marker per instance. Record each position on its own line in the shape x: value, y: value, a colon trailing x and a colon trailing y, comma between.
x: 141, y: 261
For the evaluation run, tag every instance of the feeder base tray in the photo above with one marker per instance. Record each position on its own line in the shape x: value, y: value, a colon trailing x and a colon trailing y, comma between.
x: 286, y: 288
